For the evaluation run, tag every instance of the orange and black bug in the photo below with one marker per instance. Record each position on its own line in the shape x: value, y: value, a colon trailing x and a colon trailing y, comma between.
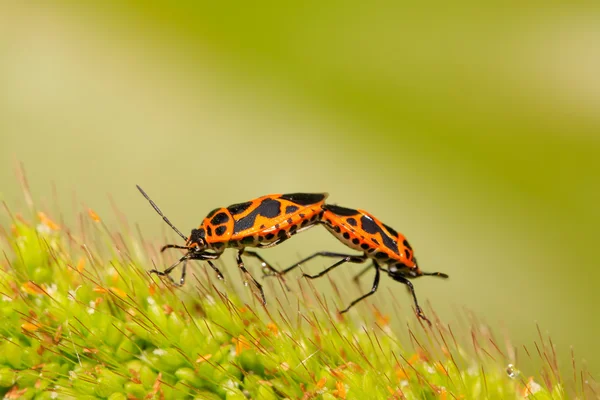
x: 263, y: 222
x: 378, y: 242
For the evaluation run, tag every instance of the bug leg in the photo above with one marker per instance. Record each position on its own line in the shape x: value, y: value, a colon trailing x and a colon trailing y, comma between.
x: 247, y: 273
x: 347, y: 258
x: 408, y: 283
x: 208, y: 257
x: 266, y: 267
x: 167, y: 271
x: 183, y: 272
x: 173, y: 246
x: 373, y: 289
x: 219, y: 274
x: 438, y: 274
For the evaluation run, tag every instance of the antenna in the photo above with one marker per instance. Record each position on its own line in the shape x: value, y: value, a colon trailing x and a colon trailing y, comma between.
x: 160, y: 213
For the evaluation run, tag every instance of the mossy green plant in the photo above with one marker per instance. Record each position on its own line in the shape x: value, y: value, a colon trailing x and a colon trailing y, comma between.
x: 80, y: 317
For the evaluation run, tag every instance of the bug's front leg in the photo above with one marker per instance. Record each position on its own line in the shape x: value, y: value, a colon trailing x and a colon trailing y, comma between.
x: 242, y: 267
x: 168, y: 271
x: 373, y: 289
x: 410, y: 286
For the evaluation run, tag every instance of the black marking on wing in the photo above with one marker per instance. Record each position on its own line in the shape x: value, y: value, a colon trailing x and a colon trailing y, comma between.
x: 351, y: 221
x: 220, y: 218
x: 370, y: 226
x: 406, y: 244
x: 304, y: 199
x: 239, y: 208
x: 291, y: 209
x: 391, y: 230
x: 268, y: 208
x: 341, y: 211
x: 213, y: 212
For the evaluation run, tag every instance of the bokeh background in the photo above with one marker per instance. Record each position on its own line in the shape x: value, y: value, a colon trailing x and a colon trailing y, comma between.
x: 475, y: 131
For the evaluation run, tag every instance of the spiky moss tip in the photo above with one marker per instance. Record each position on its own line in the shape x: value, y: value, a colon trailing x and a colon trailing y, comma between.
x: 81, y: 318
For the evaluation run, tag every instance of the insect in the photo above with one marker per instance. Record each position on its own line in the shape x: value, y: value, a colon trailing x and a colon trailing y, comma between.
x: 263, y: 222
x: 378, y: 242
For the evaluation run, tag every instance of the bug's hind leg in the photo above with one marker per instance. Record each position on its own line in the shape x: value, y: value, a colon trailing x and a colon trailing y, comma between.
x: 265, y: 265
x: 267, y: 269
x: 345, y: 258
x: 373, y: 289
x: 240, y: 263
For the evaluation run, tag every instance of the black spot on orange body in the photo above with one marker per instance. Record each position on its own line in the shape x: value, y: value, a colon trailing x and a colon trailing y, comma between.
x: 267, y: 208
x: 219, y: 219
x: 362, y: 231
x: 370, y: 226
x: 213, y: 212
x: 340, y: 211
x: 291, y: 209
x: 239, y: 208
x: 391, y: 230
x: 305, y: 199
x: 263, y: 220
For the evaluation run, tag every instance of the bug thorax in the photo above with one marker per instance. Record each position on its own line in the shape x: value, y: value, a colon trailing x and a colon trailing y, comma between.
x: 197, y: 241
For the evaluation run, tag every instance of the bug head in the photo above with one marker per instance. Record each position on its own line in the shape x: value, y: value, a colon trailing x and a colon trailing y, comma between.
x: 397, y: 271
x: 197, y: 241
x: 400, y: 271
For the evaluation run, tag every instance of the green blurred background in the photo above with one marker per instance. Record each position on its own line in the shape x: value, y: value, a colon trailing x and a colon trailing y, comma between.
x: 476, y: 132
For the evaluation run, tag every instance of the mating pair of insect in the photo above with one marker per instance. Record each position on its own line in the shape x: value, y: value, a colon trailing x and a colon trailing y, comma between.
x: 270, y: 220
